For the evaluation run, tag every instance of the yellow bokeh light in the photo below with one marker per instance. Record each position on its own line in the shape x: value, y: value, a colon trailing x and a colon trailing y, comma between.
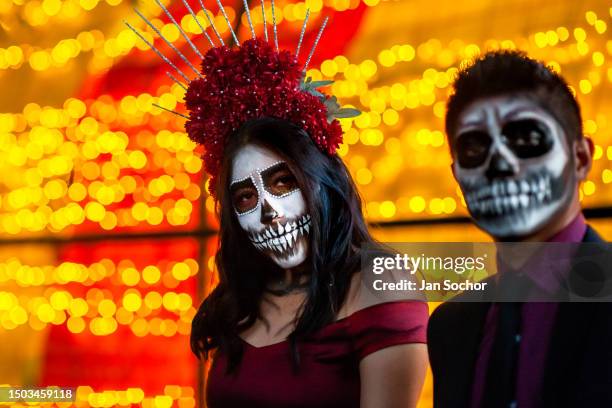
x: 153, y: 300
x: 588, y: 188
x: 579, y: 34
x: 181, y: 271
x: 18, y: 315
x: 60, y: 300
x: 88, y: 4
x: 329, y: 68
x: 390, y: 117
x: 106, y: 308
x: 386, y: 58
x: 40, y: 60
x: 95, y: 211
x: 45, y: 313
x: 135, y: 395
x: 387, y: 209
x: 364, y: 176
x: 162, y: 401
x: 78, y: 307
x: 137, y: 159
x: 132, y: 302
x: 368, y: 68
x: 170, y: 300
x: 601, y: 26
x: 585, y: 86
x: 75, y: 324
x: 417, y: 204
x: 598, y: 59
x: 140, y: 211
x: 55, y: 189
x: 130, y: 276
x: 151, y: 274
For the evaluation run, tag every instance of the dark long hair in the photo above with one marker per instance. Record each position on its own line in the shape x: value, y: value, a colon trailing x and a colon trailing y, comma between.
x: 337, y: 231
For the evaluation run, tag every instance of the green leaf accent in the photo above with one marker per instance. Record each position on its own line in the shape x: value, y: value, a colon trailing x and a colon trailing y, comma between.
x: 334, y: 111
x: 318, y: 84
x: 347, y: 113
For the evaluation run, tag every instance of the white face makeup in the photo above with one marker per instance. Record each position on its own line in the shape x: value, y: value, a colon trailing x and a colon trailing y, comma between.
x: 512, y: 162
x: 269, y: 205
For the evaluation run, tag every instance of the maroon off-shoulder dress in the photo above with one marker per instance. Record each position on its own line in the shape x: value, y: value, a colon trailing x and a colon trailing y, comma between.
x: 329, y: 362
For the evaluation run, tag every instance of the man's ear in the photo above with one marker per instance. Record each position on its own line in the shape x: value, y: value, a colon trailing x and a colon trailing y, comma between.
x: 583, y: 156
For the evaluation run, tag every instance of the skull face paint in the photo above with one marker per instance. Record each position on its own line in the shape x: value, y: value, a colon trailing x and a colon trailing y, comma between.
x: 513, y: 163
x: 269, y: 205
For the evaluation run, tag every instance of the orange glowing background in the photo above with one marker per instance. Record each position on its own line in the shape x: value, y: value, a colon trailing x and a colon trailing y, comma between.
x: 106, y: 230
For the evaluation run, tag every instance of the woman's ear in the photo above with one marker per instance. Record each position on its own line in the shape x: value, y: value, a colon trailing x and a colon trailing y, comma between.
x: 583, y: 156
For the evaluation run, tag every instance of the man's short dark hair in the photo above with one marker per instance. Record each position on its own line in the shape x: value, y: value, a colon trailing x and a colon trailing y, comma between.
x: 500, y: 73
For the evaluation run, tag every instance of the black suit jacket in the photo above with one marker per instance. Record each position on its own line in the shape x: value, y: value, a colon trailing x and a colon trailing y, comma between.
x: 579, y: 363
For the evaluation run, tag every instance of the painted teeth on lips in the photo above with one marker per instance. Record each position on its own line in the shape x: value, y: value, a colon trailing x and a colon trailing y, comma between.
x: 509, y: 195
x: 509, y: 188
x: 282, y: 245
x: 289, y: 231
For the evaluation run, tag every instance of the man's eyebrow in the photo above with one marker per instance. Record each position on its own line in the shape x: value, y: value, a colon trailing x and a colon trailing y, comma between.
x: 478, y: 121
x: 515, y: 112
x: 246, y: 182
x: 473, y: 122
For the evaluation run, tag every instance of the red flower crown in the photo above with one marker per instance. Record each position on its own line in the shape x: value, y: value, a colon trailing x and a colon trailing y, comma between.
x: 248, y: 82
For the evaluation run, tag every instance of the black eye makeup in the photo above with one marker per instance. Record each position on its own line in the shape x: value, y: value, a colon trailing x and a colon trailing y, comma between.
x: 278, y: 180
x: 526, y: 138
x: 472, y: 148
x: 244, y: 195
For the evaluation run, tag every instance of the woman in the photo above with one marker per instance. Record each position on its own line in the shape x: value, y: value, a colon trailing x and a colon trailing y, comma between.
x: 290, y: 323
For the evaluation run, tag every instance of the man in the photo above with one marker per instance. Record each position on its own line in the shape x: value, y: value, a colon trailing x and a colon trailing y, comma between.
x: 519, y: 155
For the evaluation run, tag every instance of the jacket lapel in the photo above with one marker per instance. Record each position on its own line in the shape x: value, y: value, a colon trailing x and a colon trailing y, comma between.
x: 458, y: 334
x: 567, y: 346
x: 467, y: 343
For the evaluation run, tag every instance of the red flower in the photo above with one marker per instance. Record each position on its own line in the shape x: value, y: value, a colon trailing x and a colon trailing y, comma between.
x: 249, y: 82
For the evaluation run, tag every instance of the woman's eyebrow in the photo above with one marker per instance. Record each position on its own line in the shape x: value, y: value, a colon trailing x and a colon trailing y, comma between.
x: 273, y: 169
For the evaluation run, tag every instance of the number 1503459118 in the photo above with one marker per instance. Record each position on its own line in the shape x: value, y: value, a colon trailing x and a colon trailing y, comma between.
x: 38, y: 394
